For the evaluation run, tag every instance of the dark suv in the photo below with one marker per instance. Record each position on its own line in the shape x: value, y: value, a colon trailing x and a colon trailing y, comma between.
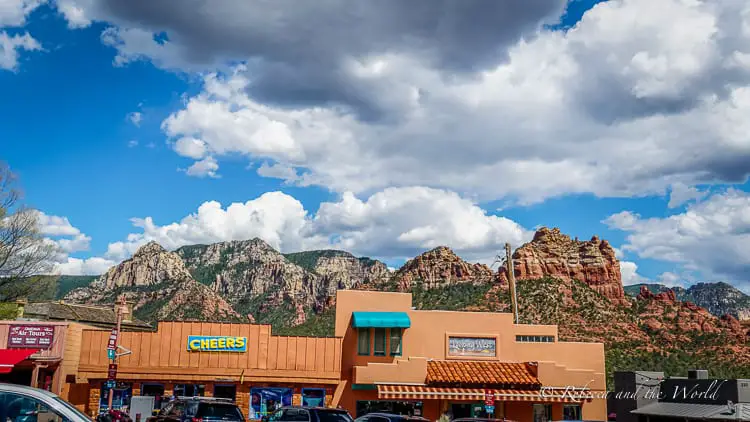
x: 308, y: 414
x: 389, y: 417
x: 199, y: 409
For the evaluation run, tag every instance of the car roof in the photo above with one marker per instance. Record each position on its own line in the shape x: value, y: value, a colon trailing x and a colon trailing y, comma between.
x: 25, y: 389
x: 393, y: 415
x: 327, y: 409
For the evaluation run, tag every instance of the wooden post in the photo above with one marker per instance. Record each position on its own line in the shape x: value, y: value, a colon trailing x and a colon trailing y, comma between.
x: 511, y: 281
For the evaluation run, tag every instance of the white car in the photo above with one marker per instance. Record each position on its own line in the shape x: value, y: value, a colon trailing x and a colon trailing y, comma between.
x: 19, y: 403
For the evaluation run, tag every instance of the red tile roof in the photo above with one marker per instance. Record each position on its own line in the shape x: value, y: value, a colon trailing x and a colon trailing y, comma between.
x: 484, y: 372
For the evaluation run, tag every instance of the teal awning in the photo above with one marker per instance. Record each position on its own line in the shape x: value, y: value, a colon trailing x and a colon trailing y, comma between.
x: 380, y: 320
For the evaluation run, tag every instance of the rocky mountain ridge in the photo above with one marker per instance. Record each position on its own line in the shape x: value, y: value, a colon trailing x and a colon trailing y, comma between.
x: 718, y: 298
x: 160, y: 287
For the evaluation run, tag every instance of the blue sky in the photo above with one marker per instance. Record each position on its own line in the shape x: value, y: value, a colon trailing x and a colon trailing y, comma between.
x: 410, y: 145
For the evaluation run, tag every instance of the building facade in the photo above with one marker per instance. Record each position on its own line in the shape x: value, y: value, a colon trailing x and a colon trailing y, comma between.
x: 384, y: 356
x: 42, y: 354
x: 463, y: 364
x: 243, y: 362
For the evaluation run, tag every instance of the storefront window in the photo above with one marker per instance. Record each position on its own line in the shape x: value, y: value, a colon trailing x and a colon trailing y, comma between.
x: 572, y: 412
x: 395, y: 342
x: 225, y: 391
x: 363, y: 341
x: 396, y: 407
x: 380, y: 342
x: 120, y: 397
x: 265, y: 401
x: 315, y: 397
x: 189, y: 390
x: 542, y: 412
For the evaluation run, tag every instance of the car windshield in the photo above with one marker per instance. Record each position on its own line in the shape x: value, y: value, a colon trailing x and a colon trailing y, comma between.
x: 219, y: 411
x: 324, y: 416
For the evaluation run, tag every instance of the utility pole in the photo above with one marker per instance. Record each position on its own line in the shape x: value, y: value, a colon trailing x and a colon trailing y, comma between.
x: 511, y: 281
x: 118, y: 312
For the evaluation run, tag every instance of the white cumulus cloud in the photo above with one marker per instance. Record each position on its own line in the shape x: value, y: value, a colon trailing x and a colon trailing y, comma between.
x: 709, y: 238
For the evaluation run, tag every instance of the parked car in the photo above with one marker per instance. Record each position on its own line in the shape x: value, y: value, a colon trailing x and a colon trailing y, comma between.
x: 389, y: 417
x: 481, y: 420
x: 308, y: 414
x: 19, y: 403
x: 199, y: 409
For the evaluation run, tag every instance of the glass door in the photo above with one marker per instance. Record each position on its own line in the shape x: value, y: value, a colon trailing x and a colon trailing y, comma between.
x: 265, y: 401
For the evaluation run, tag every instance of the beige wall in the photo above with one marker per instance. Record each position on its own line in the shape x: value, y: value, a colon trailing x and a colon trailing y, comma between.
x: 561, y: 364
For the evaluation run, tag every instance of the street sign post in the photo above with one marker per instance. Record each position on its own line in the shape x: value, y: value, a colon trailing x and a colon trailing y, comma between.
x: 112, y: 372
x: 489, y: 402
x: 489, y: 398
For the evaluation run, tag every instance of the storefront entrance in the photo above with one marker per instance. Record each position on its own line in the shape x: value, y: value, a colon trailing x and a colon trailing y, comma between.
x: 266, y: 400
x: 121, y: 396
x: 157, y: 392
x: 468, y: 410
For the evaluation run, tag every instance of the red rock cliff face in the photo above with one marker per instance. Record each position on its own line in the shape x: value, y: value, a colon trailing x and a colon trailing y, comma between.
x: 440, y: 266
x: 553, y: 254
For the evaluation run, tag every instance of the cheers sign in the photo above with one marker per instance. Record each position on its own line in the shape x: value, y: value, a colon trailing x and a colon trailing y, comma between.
x: 217, y: 344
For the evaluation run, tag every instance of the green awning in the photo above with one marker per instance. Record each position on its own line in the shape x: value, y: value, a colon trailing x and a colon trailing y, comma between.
x: 380, y: 320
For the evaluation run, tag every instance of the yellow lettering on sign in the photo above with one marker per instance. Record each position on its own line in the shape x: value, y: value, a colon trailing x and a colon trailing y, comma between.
x: 195, y: 344
x: 213, y: 343
x: 230, y: 343
x: 222, y: 343
x: 204, y: 344
x: 239, y: 342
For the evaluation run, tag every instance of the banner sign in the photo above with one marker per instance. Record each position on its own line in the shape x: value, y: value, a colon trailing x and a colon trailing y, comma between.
x: 31, y: 336
x: 472, y: 346
x: 217, y: 344
x: 112, y: 343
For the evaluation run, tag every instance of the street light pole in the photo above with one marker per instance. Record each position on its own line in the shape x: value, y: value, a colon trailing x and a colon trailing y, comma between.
x: 118, y: 312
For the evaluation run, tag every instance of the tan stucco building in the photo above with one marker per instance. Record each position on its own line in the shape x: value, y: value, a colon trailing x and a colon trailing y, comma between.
x: 436, y: 362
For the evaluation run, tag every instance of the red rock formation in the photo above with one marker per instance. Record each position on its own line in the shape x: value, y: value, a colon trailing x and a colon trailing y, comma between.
x: 667, y: 296
x: 438, y: 267
x: 553, y: 254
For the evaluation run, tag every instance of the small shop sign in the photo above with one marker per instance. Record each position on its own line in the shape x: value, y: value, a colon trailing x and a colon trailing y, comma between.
x: 112, y: 371
x: 472, y: 346
x: 112, y: 343
x: 217, y: 344
x: 31, y: 336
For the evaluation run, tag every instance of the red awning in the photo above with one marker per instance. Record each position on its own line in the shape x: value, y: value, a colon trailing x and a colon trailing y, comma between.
x: 10, y: 358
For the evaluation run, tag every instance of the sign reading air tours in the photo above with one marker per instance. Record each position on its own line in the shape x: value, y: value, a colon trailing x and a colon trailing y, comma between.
x: 217, y: 344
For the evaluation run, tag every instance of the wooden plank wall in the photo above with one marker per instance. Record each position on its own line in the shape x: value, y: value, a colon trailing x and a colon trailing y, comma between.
x: 167, y: 348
